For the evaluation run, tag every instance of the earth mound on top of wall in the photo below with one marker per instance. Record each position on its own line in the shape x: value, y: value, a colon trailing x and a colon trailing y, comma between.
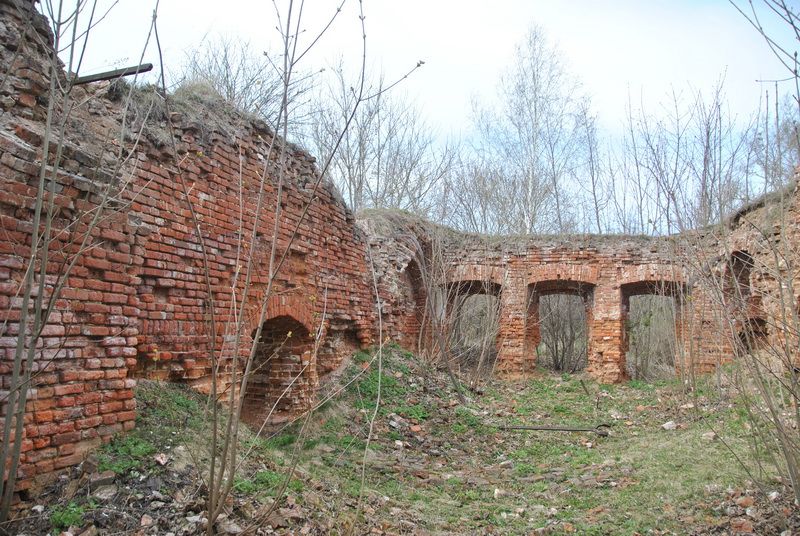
x: 402, y: 226
x: 117, y: 118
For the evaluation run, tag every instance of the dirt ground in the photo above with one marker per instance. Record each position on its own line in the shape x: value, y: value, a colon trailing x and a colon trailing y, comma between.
x: 675, y: 461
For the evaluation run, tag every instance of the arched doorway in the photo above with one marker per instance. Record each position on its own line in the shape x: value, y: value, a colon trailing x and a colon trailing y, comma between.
x: 557, y: 333
x: 652, y: 328
x: 281, y: 378
x: 472, y: 320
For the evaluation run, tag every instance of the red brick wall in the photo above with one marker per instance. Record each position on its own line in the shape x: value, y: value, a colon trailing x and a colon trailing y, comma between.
x: 605, y: 270
x: 767, y: 235
x: 135, y: 303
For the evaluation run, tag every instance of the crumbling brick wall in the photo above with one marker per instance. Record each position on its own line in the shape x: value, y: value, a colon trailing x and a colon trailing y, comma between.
x: 136, y: 302
x: 605, y: 271
x: 400, y: 253
x: 752, y: 279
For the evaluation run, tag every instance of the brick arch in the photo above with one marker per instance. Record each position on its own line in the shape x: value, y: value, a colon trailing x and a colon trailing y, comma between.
x: 476, y: 272
x: 582, y: 273
x: 651, y: 273
x: 469, y: 287
x: 291, y: 305
x: 577, y: 287
x: 671, y: 287
x: 562, y: 285
x: 667, y: 287
x: 283, y: 377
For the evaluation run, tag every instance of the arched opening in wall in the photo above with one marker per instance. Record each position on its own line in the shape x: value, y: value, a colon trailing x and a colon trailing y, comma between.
x: 753, y: 337
x: 557, y: 327
x: 474, y: 312
x: 475, y: 331
x: 755, y: 349
x: 650, y: 331
x: 280, y: 383
x: 562, y: 320
x: 413, y: 307
x: 651, y: 317
x: 736, y: 283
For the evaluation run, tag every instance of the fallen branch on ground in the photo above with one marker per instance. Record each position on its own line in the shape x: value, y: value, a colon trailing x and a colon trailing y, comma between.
x: 600, y: 429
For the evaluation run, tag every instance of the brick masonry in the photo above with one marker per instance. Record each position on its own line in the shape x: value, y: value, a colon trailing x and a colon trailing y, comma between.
x: 136, y: 301
x: 694, y: 268
x: 605, y: 270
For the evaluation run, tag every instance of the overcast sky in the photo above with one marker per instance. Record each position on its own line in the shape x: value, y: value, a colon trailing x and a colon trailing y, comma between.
x: 614, y: 47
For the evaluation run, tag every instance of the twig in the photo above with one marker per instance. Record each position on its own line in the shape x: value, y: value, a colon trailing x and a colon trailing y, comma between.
x: 600, y: 429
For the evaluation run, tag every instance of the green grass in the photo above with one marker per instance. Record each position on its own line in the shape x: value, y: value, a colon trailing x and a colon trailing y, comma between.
x: 640, y: 384
x: 177, y: 407
x: 126, y: 453
x: 63, y: 517
x: 393, y: 392
x: 639, y: 479
x: 167, y: 415
x: 370, y: 384
x: 282, y: 440
x: 265, y: 482
x: 417, y: 412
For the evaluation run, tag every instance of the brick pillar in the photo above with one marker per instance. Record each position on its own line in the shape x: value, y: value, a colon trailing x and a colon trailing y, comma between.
x: 680, y: 339
x: 533, y: 333
x: 511, y: 335
x: 588, y: 304
x: 607, y: 337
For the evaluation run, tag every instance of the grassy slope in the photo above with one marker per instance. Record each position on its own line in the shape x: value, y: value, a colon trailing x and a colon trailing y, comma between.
x: 447, y: 468
x: 460, y: 473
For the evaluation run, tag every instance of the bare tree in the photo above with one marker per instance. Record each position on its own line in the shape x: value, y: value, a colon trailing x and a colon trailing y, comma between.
x: 473, y: 196
x: 249, y: 80
x: 535, y: 136
x: 775, y: 144
x: 687, y: 168
x: 388, y: 158
x: 597, y: 185
x: 226, y: 421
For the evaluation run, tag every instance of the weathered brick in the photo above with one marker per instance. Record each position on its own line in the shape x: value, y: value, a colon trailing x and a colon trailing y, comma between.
x: 68, y: 389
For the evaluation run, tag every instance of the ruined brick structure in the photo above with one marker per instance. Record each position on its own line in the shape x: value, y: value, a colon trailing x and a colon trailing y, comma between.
x: 136, y: 302
x: 725, y: 282
x: 755, y: 259
x: 605, y: 271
